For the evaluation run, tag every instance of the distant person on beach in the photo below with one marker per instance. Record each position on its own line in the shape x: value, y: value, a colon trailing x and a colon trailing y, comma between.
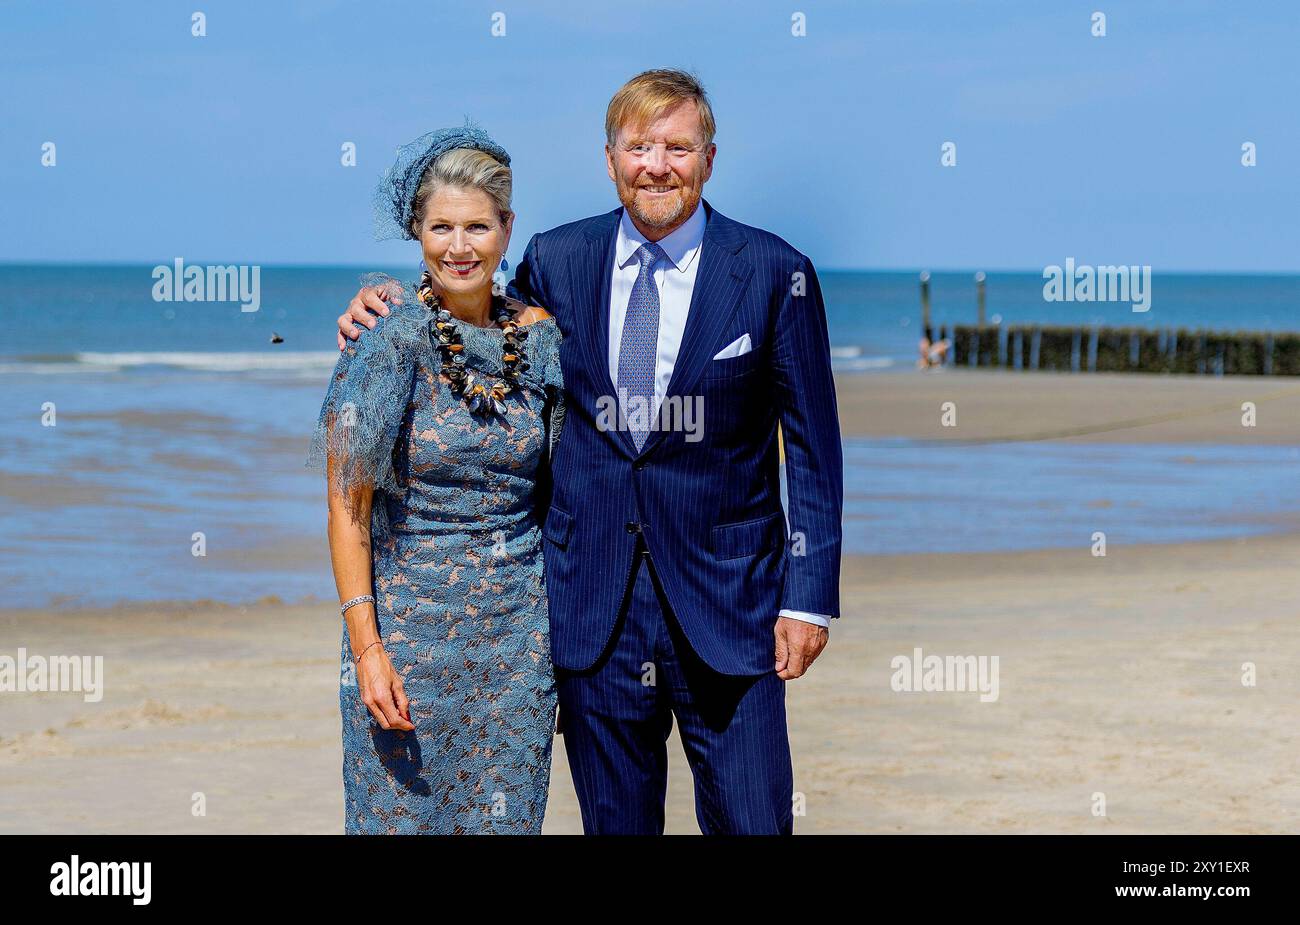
x: 933, y: 352
x: 672, y: 589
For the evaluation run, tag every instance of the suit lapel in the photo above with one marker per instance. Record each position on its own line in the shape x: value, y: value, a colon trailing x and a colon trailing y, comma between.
x: 719, y: 283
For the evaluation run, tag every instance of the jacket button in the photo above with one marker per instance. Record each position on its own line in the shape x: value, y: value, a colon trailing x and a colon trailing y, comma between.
x: 633, y: 527
x: 639, y: 465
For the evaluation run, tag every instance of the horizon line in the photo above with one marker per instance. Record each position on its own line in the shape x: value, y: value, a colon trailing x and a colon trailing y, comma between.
x: 917, y: 269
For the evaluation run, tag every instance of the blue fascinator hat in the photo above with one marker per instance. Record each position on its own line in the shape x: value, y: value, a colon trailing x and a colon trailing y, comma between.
x: 395, y: 196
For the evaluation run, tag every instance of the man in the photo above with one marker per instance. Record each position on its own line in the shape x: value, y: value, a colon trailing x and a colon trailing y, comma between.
x: 672, y: 585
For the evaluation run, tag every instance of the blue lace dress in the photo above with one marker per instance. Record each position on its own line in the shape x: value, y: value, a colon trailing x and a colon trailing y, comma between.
x: 460, y: 597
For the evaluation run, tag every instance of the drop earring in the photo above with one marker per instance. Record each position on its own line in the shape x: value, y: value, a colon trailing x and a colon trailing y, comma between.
x: 426, y: 280
x: 498, y: 285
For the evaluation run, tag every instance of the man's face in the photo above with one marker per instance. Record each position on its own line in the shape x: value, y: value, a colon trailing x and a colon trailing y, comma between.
x: 660, y: 168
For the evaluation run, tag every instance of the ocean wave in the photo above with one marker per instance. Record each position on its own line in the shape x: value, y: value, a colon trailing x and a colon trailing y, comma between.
x: 859, y: 364
x: 853, y: 358
x: 308, y: 362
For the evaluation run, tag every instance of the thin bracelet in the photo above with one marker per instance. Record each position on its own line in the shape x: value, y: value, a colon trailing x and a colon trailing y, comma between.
x: 357, y: 658
x: 343, y: 608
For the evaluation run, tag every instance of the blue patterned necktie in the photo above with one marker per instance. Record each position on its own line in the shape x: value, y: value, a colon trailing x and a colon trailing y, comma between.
x: 640, y: 346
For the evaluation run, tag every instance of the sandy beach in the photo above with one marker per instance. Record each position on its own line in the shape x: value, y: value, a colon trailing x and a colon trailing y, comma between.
x: 1119, y: 675
x: 1094, y: 408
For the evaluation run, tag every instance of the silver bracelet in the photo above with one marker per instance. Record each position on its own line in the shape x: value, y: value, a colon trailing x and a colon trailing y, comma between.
x: 343, y: 608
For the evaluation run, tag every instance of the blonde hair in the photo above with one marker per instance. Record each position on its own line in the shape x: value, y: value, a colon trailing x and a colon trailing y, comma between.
x: 651, y: 93
x: 465, y: 168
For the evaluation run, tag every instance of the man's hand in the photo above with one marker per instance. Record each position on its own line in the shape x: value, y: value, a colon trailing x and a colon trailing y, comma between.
x: 363, y: 308
x: 798, y: 644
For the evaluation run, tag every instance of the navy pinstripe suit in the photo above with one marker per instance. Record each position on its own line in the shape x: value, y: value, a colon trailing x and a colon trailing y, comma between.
x: 677, y: 557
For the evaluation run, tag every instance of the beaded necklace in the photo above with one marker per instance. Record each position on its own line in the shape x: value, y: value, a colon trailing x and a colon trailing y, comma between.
x: 480, y: 396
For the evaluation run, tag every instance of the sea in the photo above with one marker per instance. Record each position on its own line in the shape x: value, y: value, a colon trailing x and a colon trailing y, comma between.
x: 154, y: 449
x: 105, y: 318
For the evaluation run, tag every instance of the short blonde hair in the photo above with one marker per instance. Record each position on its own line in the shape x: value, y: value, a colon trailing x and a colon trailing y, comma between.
x: 651, y: 93
x: 465, y: 168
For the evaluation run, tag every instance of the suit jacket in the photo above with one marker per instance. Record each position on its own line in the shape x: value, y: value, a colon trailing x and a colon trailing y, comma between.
x: 706, y: 502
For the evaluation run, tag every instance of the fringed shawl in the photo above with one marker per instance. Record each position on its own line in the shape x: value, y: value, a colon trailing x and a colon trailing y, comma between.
x: 373, y: 384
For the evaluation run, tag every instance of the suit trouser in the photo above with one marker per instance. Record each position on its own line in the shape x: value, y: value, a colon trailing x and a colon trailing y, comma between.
x: 616, y: 717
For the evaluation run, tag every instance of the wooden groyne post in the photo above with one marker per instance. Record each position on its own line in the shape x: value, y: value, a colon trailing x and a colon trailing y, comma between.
x: 1089, y: 348
x: 925, y: 301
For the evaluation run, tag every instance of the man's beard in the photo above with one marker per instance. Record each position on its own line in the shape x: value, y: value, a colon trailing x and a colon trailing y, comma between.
x: 661, y: 214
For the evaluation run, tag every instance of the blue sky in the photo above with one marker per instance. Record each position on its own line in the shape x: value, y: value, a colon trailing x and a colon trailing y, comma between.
x: 1122, y: 149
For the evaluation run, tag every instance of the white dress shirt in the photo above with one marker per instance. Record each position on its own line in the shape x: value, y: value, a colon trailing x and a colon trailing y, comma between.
x: 675, y: 280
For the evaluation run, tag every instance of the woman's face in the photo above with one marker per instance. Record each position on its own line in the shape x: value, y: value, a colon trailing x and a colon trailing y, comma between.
x: 463, y: 239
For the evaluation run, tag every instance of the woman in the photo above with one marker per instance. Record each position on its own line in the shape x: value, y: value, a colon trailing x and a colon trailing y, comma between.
x: 434, y: 435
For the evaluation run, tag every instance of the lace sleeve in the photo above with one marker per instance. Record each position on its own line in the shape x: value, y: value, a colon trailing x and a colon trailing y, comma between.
x: 363, y: 409
x: 553, y: 380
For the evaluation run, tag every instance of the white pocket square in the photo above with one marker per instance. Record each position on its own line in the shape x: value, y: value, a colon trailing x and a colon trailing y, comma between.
x: 738, y: 347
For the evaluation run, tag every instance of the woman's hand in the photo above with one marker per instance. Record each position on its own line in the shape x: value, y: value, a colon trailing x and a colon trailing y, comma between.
x: 381, y: 690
